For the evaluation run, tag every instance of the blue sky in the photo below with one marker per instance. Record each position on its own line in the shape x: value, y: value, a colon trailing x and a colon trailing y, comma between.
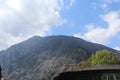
x: 96, y: 21
x: 84, y: 14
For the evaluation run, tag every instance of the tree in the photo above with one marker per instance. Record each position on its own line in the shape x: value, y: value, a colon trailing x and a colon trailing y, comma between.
x: 104, y: 57
x: 101, y: 57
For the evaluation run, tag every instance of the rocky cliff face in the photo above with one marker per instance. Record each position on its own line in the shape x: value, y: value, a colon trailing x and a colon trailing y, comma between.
x: 41, y: 58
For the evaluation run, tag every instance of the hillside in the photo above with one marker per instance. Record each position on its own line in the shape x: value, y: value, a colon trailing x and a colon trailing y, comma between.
x: 40, y: 58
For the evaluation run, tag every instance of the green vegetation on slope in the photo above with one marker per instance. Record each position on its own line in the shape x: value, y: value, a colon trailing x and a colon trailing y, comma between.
x: 100, y: 57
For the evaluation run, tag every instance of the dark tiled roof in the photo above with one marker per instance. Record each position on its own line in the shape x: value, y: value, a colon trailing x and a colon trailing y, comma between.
x: 88, y: 73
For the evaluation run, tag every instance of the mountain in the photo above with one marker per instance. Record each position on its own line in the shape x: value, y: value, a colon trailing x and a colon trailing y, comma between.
x: 41, y: 58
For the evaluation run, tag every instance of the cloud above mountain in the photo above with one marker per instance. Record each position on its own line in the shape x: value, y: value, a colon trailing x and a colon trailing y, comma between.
x: 100, y: 34
x: 21, y: 19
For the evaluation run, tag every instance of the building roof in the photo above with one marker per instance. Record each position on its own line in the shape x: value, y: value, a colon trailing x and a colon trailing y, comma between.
x: 88, y: 73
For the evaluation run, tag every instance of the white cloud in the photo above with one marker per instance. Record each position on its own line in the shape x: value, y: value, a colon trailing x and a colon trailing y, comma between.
x: 104, y: 6
x: 94, y: 5
x: 102, y: 35
x: 111, y: 1
x: 20, y: 19
x: 106, y: 3
x: 69, y: 3
x: 117, y: 48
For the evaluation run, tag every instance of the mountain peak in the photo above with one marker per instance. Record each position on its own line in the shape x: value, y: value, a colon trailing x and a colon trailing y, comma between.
x: 46, y: 56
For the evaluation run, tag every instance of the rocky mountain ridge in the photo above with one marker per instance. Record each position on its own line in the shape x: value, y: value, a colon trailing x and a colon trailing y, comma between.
x: 41, y: 58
